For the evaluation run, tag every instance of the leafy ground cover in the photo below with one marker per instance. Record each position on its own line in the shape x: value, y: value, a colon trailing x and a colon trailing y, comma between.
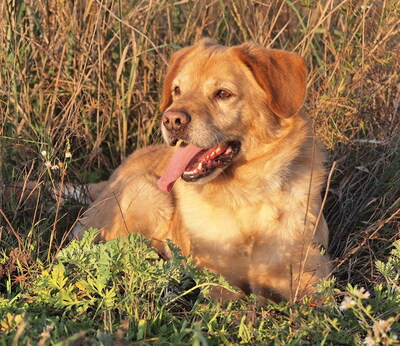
x: 121, y: 292
x: 79, y: 90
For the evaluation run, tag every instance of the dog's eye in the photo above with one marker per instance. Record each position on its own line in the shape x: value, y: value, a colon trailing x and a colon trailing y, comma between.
x: 223, y: 94
x: 176, y: 91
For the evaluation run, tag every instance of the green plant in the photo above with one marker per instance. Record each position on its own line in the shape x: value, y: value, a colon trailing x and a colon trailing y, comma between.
x: 122, y: 290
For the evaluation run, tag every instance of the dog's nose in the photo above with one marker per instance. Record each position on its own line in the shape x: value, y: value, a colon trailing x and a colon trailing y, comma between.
x: 175, y: 120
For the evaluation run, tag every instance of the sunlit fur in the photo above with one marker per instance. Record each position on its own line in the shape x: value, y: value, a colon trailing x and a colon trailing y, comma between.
x: 255, y: 221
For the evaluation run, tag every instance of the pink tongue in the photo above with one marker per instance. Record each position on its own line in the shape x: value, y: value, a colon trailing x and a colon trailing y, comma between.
x: 176, y: 166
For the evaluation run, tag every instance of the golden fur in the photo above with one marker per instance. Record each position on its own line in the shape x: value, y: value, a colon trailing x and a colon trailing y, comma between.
x: 253, y: 221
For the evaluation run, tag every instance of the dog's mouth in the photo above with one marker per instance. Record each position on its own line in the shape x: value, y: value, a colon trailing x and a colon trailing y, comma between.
x: 193, y: 163
x: 208, y: 160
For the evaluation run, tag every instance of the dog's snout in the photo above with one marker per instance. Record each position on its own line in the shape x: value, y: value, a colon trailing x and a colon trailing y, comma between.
x: 175, y: 120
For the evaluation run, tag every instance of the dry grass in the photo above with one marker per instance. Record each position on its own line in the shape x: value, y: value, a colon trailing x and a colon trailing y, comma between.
x: 85, y: 77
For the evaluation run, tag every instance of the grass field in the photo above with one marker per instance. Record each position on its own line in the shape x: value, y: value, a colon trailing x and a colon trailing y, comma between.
x: 80, y: 84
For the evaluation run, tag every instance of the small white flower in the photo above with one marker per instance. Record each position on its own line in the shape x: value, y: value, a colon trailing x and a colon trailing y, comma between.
x: 385, y: 325
x: 369, y: 341
x: 68, y: 155
x: 361, y: 293
x: 55, y: 167
x: 347, y: 303
x: 47, y: 164
x: 44, y: 153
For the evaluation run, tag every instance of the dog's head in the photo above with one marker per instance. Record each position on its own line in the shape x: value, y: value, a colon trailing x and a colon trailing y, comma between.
x: 223, y: 103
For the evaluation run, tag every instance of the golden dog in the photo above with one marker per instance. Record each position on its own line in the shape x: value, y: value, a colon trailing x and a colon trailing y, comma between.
x: 240, y: 191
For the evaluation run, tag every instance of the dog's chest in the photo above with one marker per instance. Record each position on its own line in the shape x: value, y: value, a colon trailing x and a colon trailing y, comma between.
x: 225, y: 239
x: 223, y: 222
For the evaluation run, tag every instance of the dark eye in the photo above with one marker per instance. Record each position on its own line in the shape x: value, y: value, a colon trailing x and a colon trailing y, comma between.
x: 176, y: 91
x: 223, y: 94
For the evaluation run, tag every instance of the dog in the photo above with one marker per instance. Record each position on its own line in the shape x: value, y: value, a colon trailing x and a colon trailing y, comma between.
x: 237, y: 184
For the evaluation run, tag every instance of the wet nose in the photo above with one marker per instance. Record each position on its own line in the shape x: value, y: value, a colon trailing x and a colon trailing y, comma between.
x: 175, y: 120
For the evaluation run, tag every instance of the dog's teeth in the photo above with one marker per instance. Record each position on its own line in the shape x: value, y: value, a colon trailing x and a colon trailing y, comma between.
x: 178, y: 144
x: 228, y: 151
x: 213, y: 153
x: 200, y: 166
x: 218, y: 150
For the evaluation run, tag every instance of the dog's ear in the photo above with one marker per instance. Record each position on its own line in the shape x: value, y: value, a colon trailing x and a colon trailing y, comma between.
x: 281, y: 74
x: 174, y: 65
